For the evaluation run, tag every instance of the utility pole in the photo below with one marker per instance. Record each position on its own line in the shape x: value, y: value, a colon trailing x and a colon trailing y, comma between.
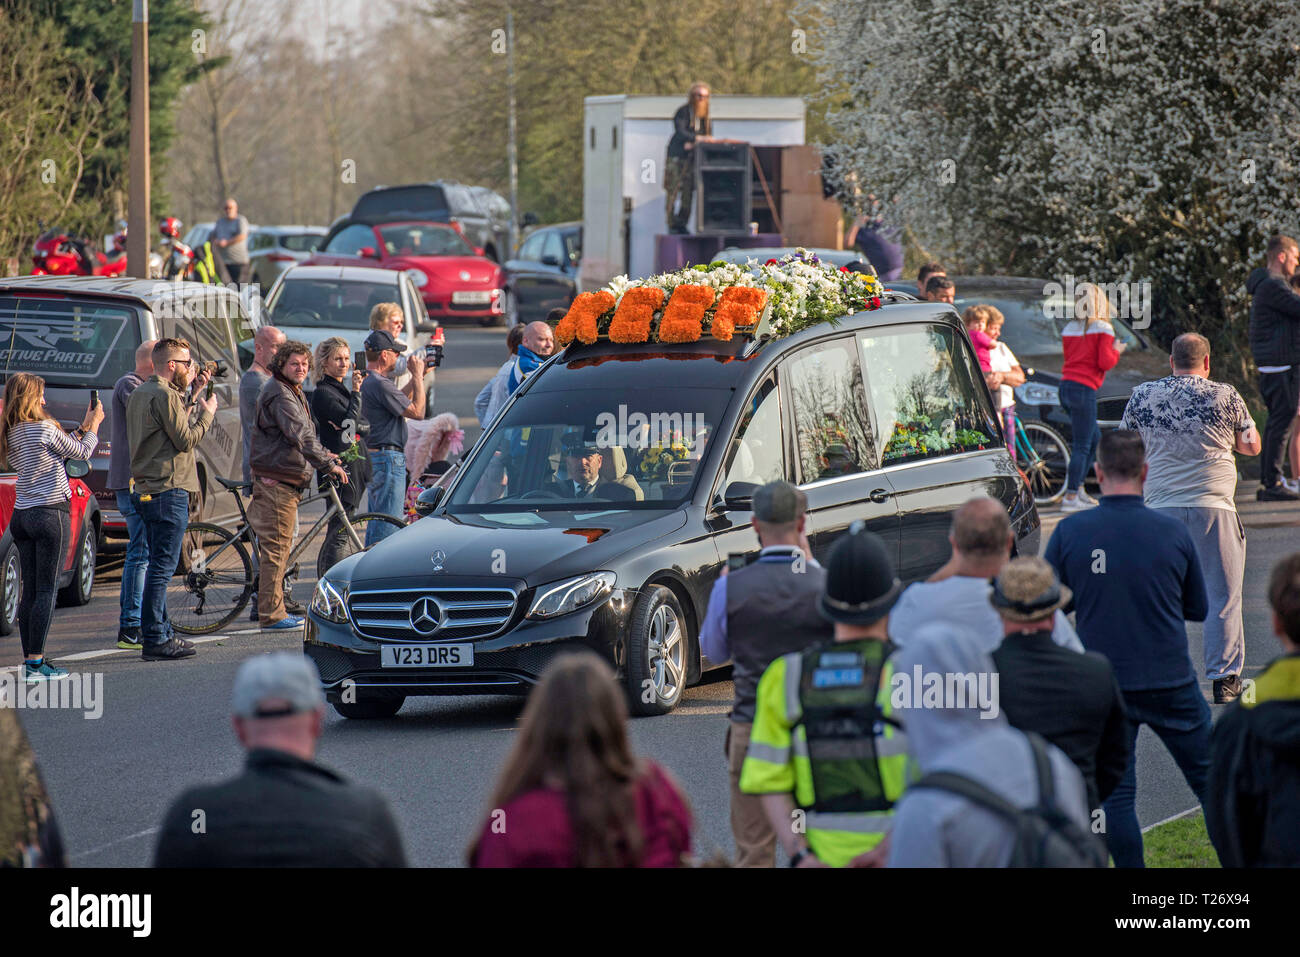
x: 137, y: 237
x: 513, y: 146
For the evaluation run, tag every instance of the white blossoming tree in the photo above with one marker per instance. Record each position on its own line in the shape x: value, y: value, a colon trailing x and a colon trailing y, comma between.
x: 1111, y: 140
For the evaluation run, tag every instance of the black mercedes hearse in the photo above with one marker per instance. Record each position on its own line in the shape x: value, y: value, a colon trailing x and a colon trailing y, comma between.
x: 601, y: 505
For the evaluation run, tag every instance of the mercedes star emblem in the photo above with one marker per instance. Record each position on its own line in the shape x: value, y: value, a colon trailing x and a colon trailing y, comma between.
x: 439, y: 558
x: 426, y: 616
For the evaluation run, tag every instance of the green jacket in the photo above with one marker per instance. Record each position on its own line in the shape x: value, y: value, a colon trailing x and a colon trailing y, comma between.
x: 162, y: 439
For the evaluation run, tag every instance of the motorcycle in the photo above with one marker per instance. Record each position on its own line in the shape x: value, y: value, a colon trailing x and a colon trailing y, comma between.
x: 177, y: 258
x: 55, y: 253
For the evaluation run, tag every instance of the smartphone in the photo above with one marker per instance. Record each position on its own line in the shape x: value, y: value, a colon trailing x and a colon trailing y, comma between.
x: 359, y: 361
x: 736, y: 561
x: 94, y: 398
x: 207, y: 393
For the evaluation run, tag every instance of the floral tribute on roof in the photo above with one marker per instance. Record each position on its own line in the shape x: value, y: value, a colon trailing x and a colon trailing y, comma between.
x: 718, y: 300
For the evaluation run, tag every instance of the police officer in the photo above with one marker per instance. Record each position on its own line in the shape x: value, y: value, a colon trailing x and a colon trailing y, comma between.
x: 755, y: 614
x: 825, y: 753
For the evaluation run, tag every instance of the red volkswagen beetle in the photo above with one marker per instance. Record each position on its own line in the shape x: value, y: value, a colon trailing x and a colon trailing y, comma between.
x: 77, y: 576
x: 454, y: 278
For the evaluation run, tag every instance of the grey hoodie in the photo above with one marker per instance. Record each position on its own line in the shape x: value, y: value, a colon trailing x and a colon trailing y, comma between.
x: 934, y: 828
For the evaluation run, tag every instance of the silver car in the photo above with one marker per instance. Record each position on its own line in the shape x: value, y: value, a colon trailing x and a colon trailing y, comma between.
x: 312, y: 303
x: 273, y: 249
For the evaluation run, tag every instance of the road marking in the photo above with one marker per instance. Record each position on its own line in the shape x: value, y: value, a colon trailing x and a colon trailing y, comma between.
x: 104, y: 652
x: 1177, y: 817
x: 120, y: 840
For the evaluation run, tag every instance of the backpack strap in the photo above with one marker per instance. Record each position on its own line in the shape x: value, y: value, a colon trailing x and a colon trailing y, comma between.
x: 1043, y: 768
x: 972, y: 790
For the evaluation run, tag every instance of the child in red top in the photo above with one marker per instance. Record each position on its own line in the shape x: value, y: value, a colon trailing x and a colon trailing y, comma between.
x: 1090, y: 351
x: 974, y: 317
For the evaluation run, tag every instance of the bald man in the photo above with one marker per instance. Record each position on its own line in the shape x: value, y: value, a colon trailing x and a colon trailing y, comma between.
x: 119, y: 482
x: 230, y: 235
x: 537, y: 345
x: 265, y: 341
x: 957, y: 595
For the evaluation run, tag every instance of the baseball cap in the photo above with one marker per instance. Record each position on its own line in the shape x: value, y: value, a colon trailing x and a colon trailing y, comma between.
x: 276, y: 684
x: 381, y: 339
x: 779, y: 503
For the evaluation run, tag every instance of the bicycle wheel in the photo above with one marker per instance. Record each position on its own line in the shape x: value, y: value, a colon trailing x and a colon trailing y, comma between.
x: 212, y: 583
x: 359, y: 525
x: 1045, y: 461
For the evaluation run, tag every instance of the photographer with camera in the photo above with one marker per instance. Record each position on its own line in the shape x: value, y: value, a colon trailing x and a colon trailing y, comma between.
x: 756, y: 614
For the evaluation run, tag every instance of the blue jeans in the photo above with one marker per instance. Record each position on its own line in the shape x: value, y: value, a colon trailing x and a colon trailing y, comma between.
x: 137, y: 559
x: 1181, y: 718
x: 165, y: 516
x: 387, y: 491
x: 1081, y: 402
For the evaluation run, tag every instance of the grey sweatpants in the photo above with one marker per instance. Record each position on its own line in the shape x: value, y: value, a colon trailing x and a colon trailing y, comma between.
x: 1221, y: 544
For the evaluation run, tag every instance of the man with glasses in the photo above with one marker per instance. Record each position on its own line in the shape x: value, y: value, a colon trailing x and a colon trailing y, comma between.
x: 162, y: 440
x: 230, y: 235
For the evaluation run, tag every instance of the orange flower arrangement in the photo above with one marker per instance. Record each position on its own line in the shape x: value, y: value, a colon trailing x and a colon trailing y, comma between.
x: 683, y: 319
x: 738, y: 308
x: 744, y: 304
x: 632, y: 319
x: 580, y: 321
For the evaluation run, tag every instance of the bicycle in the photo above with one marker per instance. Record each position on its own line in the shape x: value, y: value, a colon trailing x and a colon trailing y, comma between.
x: 216, y: 576
x: 1043, y: 457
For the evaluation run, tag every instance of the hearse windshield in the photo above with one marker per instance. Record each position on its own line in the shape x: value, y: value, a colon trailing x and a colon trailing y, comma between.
x: 68, y: 342
x: 578, y: 448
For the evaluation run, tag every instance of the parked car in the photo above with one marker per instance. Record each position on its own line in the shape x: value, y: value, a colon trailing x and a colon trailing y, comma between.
x: 311, y: 303
x: 76, y: 574
x: 454, y: 280
x: 1036, y: 341
x: 198, y: 234
x: 273, y: 249
x: 544, y: 274
x: 441, y: 201
x: 882, y: 417
x: 81, y: 333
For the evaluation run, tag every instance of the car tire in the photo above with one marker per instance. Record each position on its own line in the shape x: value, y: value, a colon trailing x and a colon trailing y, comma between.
x: 658, y: 642
x: 370, y: 709
x: 77, y: 592
x: 11, y: 589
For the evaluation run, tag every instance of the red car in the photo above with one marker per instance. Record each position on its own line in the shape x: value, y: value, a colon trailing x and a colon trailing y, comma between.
x: 77, y: 576
x: 454, y: 278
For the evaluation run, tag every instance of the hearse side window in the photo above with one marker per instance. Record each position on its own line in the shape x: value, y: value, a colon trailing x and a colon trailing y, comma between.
x: 924, y: 393
x: 832, y: 433
x: 756, y: 451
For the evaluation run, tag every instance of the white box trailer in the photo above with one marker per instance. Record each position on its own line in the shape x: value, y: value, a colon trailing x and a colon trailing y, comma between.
x: 625, y: 142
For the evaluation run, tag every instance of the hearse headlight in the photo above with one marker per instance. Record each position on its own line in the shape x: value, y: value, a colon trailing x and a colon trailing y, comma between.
x: 1038, y: 393
x: 563, y: 597
x: 330, y: 601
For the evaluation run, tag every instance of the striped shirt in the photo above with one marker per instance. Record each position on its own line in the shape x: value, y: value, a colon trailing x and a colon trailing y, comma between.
x: 37, y: 451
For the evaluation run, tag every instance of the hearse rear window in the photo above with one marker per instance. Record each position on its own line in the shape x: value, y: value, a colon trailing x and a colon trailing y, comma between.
x: 67, y: 341
x: 924, y: 393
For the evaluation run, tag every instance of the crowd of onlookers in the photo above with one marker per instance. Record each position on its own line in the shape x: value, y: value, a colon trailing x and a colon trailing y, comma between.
x: 958, y: 721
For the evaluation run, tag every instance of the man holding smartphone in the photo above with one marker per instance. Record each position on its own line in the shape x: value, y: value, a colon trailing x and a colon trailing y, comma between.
x: 1191, y: 427
x: 756, y: 614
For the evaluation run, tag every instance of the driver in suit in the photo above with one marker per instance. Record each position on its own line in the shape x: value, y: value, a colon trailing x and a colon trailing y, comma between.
x: 582, y: 460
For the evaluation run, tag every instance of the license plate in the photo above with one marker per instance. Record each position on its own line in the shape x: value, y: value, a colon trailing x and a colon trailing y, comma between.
x: 427, y: 656
x: 471, y: 298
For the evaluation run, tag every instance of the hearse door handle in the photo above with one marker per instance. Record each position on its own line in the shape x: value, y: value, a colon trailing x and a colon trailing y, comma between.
x: 879, y: 495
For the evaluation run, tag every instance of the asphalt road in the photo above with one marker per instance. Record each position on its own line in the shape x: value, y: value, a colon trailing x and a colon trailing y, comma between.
x: 165, y: 725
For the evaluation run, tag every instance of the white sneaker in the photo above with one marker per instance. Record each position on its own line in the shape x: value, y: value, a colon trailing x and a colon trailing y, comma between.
x: 1291, y: 485
x: 1075, y: 503
x: 1085, y: 498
